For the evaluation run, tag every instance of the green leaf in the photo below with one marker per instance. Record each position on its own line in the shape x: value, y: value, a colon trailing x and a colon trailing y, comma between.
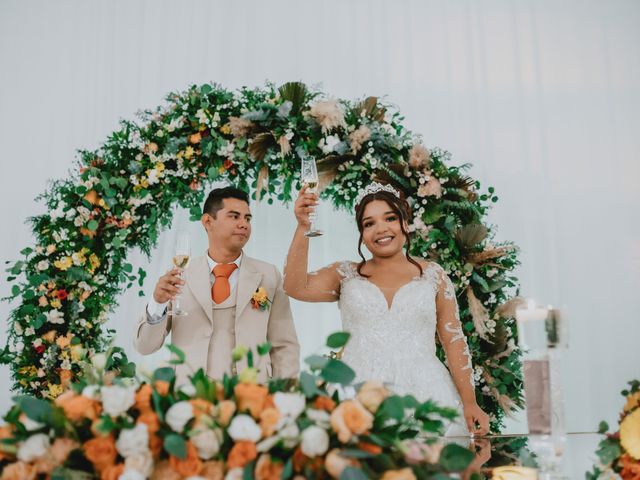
x: 178, y: 353
x: 247, y: 472
x: 455, y: 458
x: 352, y: 473
x: 15, y: 290
x: 608, y: 451
x: 336, y: 371
x: 92, y: 225
x: 34, y: 408
x: 338, y: 339
x: 603, y: 427
x: 264, y: 349
x: 175, y: 445
x: 308, y: 384
x: 392, y: 407
x: 206, y: 89
x: 316, y: 362
x: 167, y: 374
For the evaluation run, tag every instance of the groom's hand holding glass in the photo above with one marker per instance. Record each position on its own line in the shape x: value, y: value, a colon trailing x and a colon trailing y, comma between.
x: 168, y: 286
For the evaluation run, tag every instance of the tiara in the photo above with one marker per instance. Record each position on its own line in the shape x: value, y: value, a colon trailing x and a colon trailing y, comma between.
x: 376, y: 187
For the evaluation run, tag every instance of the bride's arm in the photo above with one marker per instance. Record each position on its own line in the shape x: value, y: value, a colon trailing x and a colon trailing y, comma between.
x: 456, y: 348
x: 320, y: 286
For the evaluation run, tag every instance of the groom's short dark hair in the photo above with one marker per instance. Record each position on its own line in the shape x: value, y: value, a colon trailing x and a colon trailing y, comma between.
x: 213, y: 203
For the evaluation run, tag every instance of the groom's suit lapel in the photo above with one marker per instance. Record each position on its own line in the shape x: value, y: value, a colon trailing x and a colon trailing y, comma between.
x: 198, y: 277
x: 248, y: 282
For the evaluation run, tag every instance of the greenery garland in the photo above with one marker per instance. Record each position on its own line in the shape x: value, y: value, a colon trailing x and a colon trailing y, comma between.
x: 122, y: 195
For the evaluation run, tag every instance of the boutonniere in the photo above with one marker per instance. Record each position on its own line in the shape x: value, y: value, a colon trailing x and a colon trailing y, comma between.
x: 260, y: 300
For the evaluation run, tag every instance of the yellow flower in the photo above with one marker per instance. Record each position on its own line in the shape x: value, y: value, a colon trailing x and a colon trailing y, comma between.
x: 55, y: 390
x: 260, y: 295
x: 55, y: 303
x: 64, y: 263
x: 189, y: 151
x: 28, y: 371
x: 160, y: 167
x: 77, y: 353
x: 94, y: 261
x: 248, y: 375
x: 630, y: 434
x: 225, y: 129
x: 221, y: 170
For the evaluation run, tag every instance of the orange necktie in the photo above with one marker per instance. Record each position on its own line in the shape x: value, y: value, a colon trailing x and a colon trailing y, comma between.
x: 221, y: 288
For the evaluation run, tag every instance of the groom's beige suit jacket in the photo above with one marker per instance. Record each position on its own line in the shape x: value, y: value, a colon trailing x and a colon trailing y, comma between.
x: 199, y: 333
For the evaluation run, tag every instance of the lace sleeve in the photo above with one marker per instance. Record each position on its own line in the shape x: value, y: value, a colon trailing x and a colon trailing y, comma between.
x: 346, y: 270
x: 452, y: 337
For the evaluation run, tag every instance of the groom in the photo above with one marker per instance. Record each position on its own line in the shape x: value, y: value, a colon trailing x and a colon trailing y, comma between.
x: 220, y: 295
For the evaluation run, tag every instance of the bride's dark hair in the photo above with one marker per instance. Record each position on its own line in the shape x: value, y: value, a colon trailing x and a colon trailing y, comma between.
x: 400, y: 207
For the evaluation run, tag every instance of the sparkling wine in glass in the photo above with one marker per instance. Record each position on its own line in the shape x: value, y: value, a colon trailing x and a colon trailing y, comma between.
x: 181, y: 257
x: 309, y: 175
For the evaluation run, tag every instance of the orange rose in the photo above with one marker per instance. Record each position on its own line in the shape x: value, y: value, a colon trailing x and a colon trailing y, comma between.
x: 268, y: 402
x: 88, y: 233
x: 162, y: 387
x: 335, y: 463
x: 251, y: 397
x: 19, y: 471
x: 78, y: 407
x: 64, y: 341
x: 404, y: 474
x: 61, y: 449
x: 324, y: 403
x: 150, y: 419
x: 201, y: 407
x: 50, y: 336
x: 370, y: 448
x: 92, y: 197
x: 65, y: 377
x: 163, y: 471
x: 155, y: 445
x: 212, y: 470
x: 241, y: 454
x: 226, y: 409
x: 372, y: 394
x: 101, y: 451
x: 268, y: 420
x: 143, y: 397
x: 195, y: 138
x: 189, y: 466
x: 112, y: 472
x: 633, y: 401
x: 5, y: 432
x: 268, y: 470
x: 350, y: 418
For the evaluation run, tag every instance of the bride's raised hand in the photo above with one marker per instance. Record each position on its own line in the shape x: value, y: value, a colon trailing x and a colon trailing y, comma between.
x: 305, y: 204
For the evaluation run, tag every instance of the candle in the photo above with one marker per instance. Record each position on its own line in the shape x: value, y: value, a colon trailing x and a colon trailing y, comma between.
x: 532, y: 334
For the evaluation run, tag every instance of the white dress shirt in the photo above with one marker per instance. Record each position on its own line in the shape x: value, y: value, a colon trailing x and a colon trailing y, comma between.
x: 156, y: 311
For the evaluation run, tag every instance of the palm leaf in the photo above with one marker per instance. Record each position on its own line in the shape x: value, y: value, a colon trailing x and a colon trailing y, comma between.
x: 471, y: 235
x: 371, y: 109
x: 260, y: 145
x: 296, y: 93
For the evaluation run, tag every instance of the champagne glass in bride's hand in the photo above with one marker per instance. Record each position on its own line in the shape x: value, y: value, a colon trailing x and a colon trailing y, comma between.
x: 181, y: 257
x: 309, y: 176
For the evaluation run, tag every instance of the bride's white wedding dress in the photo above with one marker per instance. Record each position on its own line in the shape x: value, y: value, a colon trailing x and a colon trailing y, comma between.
x: 396, y: 345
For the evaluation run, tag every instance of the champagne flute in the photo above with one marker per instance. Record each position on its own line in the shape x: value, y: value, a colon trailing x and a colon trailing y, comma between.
x: 309, y: 175
x: 181, y: 257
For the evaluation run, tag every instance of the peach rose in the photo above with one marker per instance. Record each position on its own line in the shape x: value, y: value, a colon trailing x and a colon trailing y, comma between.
x: 143, y: 397
x: 324, y: 403
x: 226, y: 409
x: 269, y: 418
x: 241, y: 454
x: 212, y: 470
x: 372, y: 394
x: 150, y: 419
x: 78, y: 407
x: 163, y: 471
x: 101, y: 451
x: 201, y: 407
x: 5, y: 432
x: 195, y: 138
x: 155, y: 445
x: 251, y: 397
x: 335, y: 463
x: 61, y: 449
x: 350, y: 418
x: 162, y: 387
x: 19, y: 471
x: 65, y: 377
x: 268, y: 470
x: 50, y: 336
x: 404, y: 474
x: 189, y: 466
x: 112, y: 472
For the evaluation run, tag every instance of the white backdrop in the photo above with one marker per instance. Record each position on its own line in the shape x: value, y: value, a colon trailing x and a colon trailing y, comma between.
x: 541, y: 96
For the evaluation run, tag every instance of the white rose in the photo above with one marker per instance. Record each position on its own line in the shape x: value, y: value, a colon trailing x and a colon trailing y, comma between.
x: 207, y: 442
x: 54, y: 316
x: 320, y: 417
x: 30, y: 425
x: 99, y: 361
x: 116, y: 400
x: 33, y: 447
x: 243, y: 427
x: 315, y: 441
x: 130, y: 474
x: 234, y: 474
x: 290, y: 434
x: 267, y: 444
x: 289, y: 404
x: 188, y: 389
x: 133, y: 440
x: 140, y: 462
x: 42, y: 265
x: 178, y: 415
x: 91, y: 391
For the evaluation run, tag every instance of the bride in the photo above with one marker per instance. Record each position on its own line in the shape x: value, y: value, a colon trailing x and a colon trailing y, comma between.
x: 392, y: 305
